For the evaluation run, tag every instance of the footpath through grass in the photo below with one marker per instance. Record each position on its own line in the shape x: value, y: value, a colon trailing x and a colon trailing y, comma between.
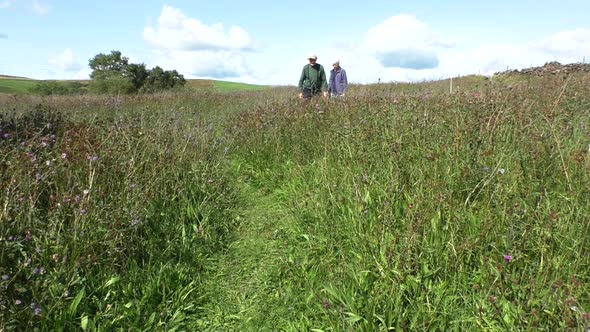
x: 246, y: 279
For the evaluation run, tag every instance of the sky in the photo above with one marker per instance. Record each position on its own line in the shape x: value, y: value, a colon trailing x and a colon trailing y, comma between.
x: 268, y: 42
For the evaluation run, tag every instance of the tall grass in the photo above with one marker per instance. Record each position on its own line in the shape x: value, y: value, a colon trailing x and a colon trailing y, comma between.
x: 399, y: 207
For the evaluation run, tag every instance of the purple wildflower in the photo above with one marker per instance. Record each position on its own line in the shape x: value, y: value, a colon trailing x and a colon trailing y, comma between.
x: 36, y: 271
x: 6, y: 135
x: 38, y: 311
x: 83, y: 212
x: 18, y: 302
x: 508, y: 258
x: 92, y: 158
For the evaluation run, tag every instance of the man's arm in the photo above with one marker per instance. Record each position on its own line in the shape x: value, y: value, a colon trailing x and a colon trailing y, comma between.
x: 344, y: 80
x: 302, y: 78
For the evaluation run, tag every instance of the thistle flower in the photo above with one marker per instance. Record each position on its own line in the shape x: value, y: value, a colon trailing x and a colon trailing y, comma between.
x: 508, y: 258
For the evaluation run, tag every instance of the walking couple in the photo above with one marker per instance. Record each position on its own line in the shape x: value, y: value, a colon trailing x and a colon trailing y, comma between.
x: 313, y: 80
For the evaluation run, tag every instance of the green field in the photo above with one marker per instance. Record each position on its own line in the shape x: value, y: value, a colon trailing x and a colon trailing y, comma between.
x: 12, y: 85
x: 399, y: 207
x: 16, y: 85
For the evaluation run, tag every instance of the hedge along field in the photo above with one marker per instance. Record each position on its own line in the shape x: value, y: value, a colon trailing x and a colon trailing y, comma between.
x: 399, y: 207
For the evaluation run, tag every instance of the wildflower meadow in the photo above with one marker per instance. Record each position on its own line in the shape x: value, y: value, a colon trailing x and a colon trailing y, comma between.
x: 398, y: 207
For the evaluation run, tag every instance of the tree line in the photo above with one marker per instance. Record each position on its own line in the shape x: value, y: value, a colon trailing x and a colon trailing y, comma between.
x: 114, y: 74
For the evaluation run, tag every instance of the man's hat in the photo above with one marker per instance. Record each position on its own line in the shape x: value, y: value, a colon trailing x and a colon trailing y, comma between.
x: 313, y: 56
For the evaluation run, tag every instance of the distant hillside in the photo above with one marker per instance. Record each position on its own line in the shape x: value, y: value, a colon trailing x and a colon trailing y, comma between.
x: 12, y: 84
x: 14, y: 77
x: 16, y: 84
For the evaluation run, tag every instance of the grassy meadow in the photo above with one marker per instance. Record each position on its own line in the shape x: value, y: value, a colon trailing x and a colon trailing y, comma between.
x: 9, y: 84
x: 399, y: 207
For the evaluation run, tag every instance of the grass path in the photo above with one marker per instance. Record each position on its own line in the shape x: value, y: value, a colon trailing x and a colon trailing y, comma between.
x: 245, y: 281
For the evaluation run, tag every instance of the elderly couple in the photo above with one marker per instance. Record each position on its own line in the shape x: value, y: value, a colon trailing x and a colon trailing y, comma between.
x: 313, y: 80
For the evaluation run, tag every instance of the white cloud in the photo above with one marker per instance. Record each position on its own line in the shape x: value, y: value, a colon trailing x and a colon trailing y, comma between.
x: 176, y: 31
x: 204, y: 64
x: 571, y: 44
x: 403, y: 41
x: 40, y: 9
x: 66, y: 61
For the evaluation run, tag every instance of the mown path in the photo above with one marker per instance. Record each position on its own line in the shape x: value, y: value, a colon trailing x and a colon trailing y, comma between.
x: 245, y: 280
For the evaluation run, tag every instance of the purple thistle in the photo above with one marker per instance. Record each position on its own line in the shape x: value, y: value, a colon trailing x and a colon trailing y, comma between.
x: 36, y: 271
x: 83, y: 212
x: 508, y: 258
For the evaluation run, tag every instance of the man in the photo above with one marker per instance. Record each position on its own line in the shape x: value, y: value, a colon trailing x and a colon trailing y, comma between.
x: 313, y: 79
x: 338, y: 80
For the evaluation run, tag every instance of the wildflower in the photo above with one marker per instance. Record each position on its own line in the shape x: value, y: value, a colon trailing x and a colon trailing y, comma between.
x: 6, y: 135
x: 501, y: 171
x: 5, y: 277
x: 36, y: 271
x: 18, y: 302
x: 38, y: 311
x: 133, y: 186
x: 64, y: 156
x: 326, y: 304
x: 83, y: 212
x: 92, y: 158
x: 486, y: 169
x: 78, y: 199
x: 85, y: 191
x: 508, y: 258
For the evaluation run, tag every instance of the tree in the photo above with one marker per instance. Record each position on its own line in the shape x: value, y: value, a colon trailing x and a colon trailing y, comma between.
x: 104, y: 65
x: 112, y: 73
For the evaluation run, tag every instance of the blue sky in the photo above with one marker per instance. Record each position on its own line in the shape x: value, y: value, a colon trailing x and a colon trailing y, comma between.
x: 267, y: 42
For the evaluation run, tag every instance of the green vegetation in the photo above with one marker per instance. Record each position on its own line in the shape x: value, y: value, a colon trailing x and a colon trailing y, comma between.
x: 399, y: 207
x: 113, y: 74
x: 16, y: 85
x: 224, y: 86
